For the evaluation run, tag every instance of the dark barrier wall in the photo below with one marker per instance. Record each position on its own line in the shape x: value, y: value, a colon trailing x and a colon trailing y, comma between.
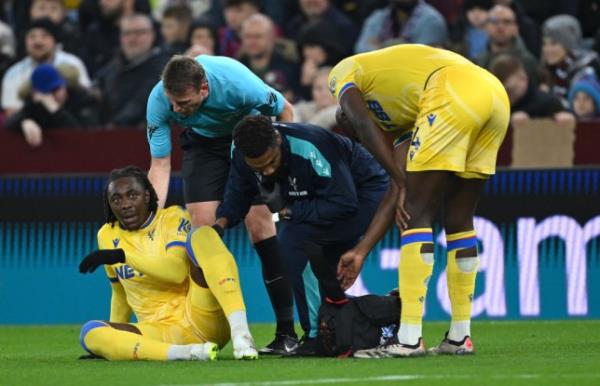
x: 539, y: 235
x: 78, y: 151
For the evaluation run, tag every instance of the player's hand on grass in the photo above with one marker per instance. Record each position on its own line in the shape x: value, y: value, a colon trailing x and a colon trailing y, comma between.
x: 349, y: 267
x: 101, y: 257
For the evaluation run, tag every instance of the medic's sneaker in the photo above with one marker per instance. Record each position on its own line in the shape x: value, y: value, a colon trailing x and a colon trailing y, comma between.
x: 451, y: 347
x: 282, y: 344
x: 393, y: 350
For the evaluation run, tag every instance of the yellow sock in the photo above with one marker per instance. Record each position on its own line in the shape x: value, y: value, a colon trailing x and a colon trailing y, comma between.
x: 414, y: 271
x: 101, y: 339
x: 461, y: 273
x: 207, y: 250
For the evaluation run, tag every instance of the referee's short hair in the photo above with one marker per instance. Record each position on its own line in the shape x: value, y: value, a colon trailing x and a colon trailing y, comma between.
x: 254, y: 135
x: 180, y: 73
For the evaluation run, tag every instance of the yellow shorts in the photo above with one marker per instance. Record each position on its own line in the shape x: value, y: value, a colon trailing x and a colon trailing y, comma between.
x: 200, y: 319
x: 463, y: 117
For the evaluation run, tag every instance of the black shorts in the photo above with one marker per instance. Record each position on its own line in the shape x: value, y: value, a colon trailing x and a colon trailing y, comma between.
x: 205, y: 166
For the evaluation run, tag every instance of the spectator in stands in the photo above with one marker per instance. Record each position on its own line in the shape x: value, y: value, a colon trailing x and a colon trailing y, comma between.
x: 504, y: 37
x: 312, y: 11
x: 321, y: 109
x: 42, y: 47
x: 273, y: 63
x: 529, y: 30
x: 203, y: 38
x: 197, y: 7
x: 526, y: 100
x: 68, y: 31
x: 7, y: 47
x: 126, y: 81
x: 563, y: 57
x: 403, y: 21
x: 320, y: 44
x: 584, y: 97
x: 175, y: 28
x: 53, y: 102
x: 101, y: 38
x: 469, y: 36
x: 236, y: 11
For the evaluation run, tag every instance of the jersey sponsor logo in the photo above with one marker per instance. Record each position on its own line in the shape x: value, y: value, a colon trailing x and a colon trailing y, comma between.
x: 431, y: 118
x: 184, y: 226
x: 151, y: 234
x: 125, y: 272
x: 116, y: 242
x: 376, y: 108
x: 151, y: 130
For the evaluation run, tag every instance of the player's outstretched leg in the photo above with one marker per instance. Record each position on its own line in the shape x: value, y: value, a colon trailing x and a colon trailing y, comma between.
x: 208, y: 252
x: 103, y: 339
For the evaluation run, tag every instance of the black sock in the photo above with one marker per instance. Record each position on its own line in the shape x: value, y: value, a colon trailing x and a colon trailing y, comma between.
x: 278, y: 284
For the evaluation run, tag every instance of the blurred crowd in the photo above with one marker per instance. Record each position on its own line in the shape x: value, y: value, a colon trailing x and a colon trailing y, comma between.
x: 93, y: 63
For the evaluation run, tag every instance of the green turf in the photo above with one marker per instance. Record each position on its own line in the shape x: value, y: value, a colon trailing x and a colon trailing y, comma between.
x: 509, y: 353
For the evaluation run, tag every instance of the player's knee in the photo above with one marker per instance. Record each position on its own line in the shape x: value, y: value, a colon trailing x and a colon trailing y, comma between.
x: 457, y: 222
x: 204, y: 237
x: 201, y: 218
x: 85, y: 329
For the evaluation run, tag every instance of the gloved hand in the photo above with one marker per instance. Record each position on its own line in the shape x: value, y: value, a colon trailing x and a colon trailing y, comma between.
x: 270, y: 195
x: 101, y: 257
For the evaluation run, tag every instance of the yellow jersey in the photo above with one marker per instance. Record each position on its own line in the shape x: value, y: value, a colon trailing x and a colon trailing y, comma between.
x: 392, y: 81
x: 154, y: 277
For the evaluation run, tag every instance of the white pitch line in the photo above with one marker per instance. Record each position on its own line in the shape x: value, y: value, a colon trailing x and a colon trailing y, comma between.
x: 386, y: 378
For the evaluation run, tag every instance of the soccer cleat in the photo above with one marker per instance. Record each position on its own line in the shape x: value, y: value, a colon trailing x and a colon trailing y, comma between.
x: 393, y: 349
x: 204, y: 352
x: 244, y: 347
x: 451, y: 347
x: 282, y: 344
x: 307, y: 347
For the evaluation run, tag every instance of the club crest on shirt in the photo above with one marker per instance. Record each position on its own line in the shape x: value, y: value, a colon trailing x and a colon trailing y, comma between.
x: 332, y: 84
x: 151, y: 234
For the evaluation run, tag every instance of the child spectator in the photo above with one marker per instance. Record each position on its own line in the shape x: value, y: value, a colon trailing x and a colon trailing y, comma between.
x: 175, y: 28
x: 584, y: 97
x: 203, y: 38
x: 53, y: 102
x: 526, y: 100
x: 321, y: 109
x: 562, y: 55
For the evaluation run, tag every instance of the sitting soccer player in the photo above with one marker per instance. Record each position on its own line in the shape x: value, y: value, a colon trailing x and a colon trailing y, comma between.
x: 182, y: 309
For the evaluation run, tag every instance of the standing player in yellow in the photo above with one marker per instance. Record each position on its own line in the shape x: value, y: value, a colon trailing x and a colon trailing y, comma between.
x: 182, y: 310
x: 448, y: 118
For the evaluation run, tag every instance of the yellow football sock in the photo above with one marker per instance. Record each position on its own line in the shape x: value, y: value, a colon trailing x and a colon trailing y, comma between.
x: 461, y: 274
x: 207, y: 250
x: 414, y: 271
x: 101, y: 339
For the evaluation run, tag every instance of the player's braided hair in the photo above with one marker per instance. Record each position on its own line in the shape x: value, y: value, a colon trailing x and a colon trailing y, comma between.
x: 140, y: 176
x: 253, y: 135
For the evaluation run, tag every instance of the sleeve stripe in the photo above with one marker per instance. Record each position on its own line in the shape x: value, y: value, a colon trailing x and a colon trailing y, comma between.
x: 346, y: 87
x: 175, y: 244
x: 113, y: 279
x: 403, y: 138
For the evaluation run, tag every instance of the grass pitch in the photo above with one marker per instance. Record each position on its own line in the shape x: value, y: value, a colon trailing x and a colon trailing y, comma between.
x: 508, y: 353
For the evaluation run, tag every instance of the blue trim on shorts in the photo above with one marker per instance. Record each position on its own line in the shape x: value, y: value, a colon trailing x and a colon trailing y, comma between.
x: 190, y: 251
x: 87, y: 327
